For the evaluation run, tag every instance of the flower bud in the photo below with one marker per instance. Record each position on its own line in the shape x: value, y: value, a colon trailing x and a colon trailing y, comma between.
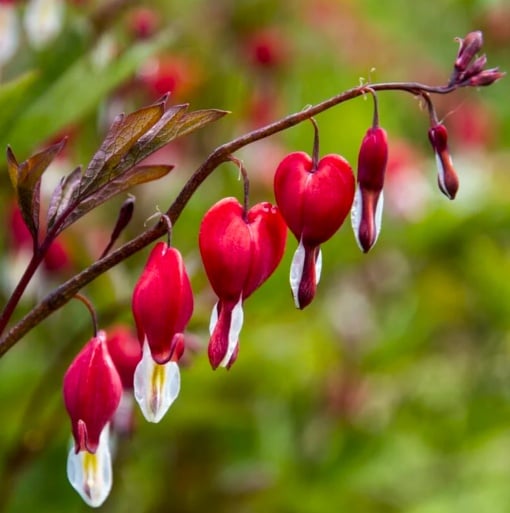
x: 92, y: 392
x: 366, y: 213
x: 162, y: 307
x: 469, y: 47
x: 446, y: 175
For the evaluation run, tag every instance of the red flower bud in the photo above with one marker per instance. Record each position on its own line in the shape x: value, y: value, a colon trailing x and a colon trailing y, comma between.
x: 162, y: 302
x: 314, y: 200
x: 240, y: 250
x: 162, y: 307
x: 125, y: 352
x: 92, y: 391
x: 469, y: 47
x: 368, y: 202
x: 446, y: 175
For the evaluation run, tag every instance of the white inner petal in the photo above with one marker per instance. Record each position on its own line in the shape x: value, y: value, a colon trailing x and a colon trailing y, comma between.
x: 356, y: 211
x: 318, y: 266
x: 236, y: 323
x: 378, y: 215
x: 296, y: 271
x: 214, y: 319
x: 91, y: 474
x: 155, y: 386
x: 440, y: 173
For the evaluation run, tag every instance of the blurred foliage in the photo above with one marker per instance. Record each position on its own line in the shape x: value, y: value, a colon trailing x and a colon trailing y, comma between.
x: 391, y: 392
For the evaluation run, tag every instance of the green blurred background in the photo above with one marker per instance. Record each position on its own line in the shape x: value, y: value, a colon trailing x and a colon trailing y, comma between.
x: 391, y: 392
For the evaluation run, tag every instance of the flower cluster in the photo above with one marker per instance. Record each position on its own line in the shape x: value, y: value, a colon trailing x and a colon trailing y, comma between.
x: 240, y: 247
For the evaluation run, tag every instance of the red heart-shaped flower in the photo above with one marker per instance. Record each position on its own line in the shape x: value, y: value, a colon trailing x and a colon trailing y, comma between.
x: 240, y: 250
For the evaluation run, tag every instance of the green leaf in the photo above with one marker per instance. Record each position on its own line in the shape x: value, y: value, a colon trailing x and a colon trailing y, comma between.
x: 75, y: 93
x: 123, y: 134
x: 134, y: 176
x: 12, y: 98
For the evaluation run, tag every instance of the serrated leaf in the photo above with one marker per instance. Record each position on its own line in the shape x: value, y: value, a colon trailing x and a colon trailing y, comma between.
x: 28, y: 183
x: 63, y: 196
x: 123, y: 134
x: 196, y: 119
x: 134, y: 176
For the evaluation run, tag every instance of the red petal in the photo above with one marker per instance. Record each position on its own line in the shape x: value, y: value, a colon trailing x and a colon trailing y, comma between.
x: 92, y: 392
x: 314, y: 202
x: 162, y: 301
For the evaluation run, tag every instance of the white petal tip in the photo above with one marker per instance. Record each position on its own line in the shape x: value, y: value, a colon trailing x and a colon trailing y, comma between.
x: 91, y: 474
x: 155, y: 386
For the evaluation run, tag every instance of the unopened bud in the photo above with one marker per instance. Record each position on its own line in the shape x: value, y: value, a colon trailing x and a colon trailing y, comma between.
x: 469, y: 47
x: 486, y: 77
x: 446, y: 175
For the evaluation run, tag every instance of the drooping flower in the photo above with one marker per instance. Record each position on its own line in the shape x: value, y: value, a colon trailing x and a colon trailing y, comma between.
x: 314, y: 199
x: 92, y: 391
x: 446, y: 175
x: 368, y: 201
x: 240, y: 249
x: 162, y: 307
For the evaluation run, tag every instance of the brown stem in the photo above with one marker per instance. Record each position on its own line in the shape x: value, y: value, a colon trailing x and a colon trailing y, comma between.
x: 246, y: 185
x: 67, y: 290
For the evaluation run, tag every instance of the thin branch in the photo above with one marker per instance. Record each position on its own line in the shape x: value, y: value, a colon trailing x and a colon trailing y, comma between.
x: 61, y: 295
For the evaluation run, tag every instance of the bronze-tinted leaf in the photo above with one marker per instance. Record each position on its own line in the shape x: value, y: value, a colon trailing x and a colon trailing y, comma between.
x: 124, y: 217
x: 162, y: 132
x: 64, y: 195
x: 28, y: 183
x: 12, y: 167
x: 134, y: 176
x: 194, y: 120
x: 123, y: 134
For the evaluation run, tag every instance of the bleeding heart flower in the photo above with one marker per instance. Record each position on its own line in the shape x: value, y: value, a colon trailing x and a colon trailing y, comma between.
x: 162, y: 307
x: 240, y: 249
x: 314, y: 199
x: 446, y: 175
x: 92, y: 391
x: 366, y: 213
